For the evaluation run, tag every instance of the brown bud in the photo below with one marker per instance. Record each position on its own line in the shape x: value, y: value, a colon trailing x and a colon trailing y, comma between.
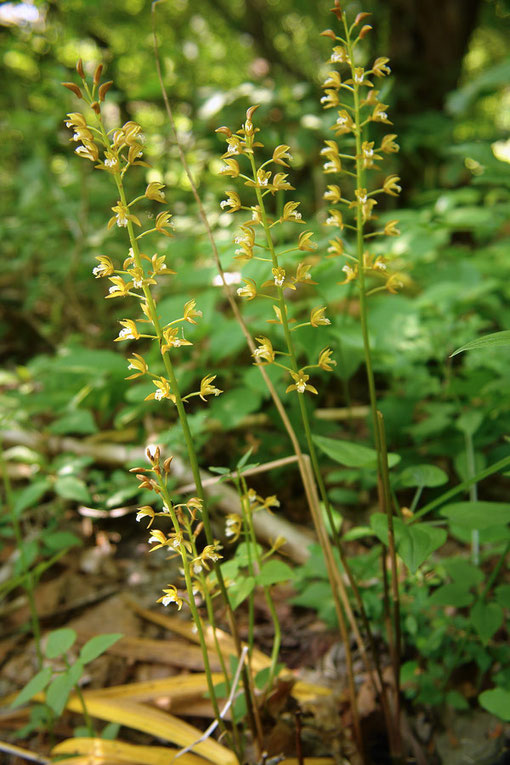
x: 73, y: 88
x: 198, y: 529
x: 361, y: 17
x: 79, y: 69
x: 97, y: 74
x: 337, y: 10
x: 166, y: 464
x: 250, y: 111
x: 104, y: 88
x: 225, y: 130
x: 153, y: 454
x: 138, y: 470
x: 364, y: 31
x: 94, y: 105
x: 328, y: 33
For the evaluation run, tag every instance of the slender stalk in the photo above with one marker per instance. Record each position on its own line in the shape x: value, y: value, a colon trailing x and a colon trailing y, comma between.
x: 473, y: 494
x: 28, y: 580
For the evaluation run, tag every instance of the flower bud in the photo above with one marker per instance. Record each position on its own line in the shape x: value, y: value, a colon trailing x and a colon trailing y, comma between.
x: 95, y: 106
x: 166, y: 464
x: 97, y: 74
x: 103, y: 89
x: 79, y: 69
x: 328, y: 33
x: 364, y: 31
x: 361, y: 17
x: 73, y: 88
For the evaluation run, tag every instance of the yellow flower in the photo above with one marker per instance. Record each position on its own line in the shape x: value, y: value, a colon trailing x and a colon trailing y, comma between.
x: 163, y: 391
x: 335, y: 219
x: 159, y: 266
x: 233, y: 527
x: 303, y: 274
x: 139, y: 278
x: 379, y: 67
x: 279, y: 276
x: 368, y: 154
x: 132, y: 133
x: 265, y: 352
x: 130, y: 331
x: 325, y: 361
x: 154, y: 192
x: 330, y: 151
x: 317, y: 316
x: 162, y: 223
x: 158, y: 539
x: 280, y: 183
x: 234, y: 146
x: 300, y: 383
x: 170, y: 596
x: 261, y: 181
x: 189, y: 312
x: 248, y: 292
x: 122, y: 216
x: 350, y: 273
x: 89, y: 150
x: 333, y: 194
x: 207, y: 389
x: 105, y: 267
x: 394, y: 283
x: 290, y: 213
x: 145, y: 512
x: 233, y: 201
x: 344, y: 123
x: 75, y: 119
x: 333, y: 80
x: 380, y: 115
x: 137, y: 363
x: 231, y: 168
x: 391, y: 229
x: 280, y: 154
x: 336, y: 247
x: 119, y: 287
x: 330, y: 100
x: 339, y: 55
x: 388, y: 145
x: 391, y: 187
x: 172, y: 340
x: 304, y: 242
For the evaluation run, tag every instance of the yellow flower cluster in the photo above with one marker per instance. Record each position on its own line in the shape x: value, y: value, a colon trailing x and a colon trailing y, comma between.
x: 353, y: 94
x: 255, y: 242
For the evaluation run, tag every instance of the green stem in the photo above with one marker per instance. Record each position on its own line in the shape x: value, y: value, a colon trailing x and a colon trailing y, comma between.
x: 28, y: 580
x: 88, y: 721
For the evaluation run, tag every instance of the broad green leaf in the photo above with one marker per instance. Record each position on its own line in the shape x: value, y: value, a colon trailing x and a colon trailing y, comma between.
x: 486, y: 618
x: 497, y: 702
x: 31, y: 495
x: 469, y: 422
x: 58, y: 692
x: 350, y: 454
x: 58, y: 642
x: 98, y: 645
x: 451, y: 595
x: 61, y: 540
x: 423, y: 475
x: 274, y: 571
x: 477, y: 515
x: 69, y: 487
x: 495, y: 340
x: 37, y: 684
x: 416, y: 543
x: 80, y: 421
x: 503, y: 595
x: 456, y: 700
x: 460, y: 570
x: 240, y: 590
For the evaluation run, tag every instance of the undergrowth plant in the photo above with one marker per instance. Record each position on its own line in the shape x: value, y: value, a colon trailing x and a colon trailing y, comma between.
x: 280, y: 261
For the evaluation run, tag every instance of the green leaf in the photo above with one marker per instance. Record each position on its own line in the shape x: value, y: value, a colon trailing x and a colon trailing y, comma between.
x: 274, y: 571
x: 486, y: 618
x: 495, y: 340
x: 456, y: 700
x: 351, y: 455
x: 37, y: 684
x: 497, y: 702
x: 31, y: 495
x: 414, y: 543
x: 423, y: 475
x: 58, y: 692
x: 469, y: 422
x: 69, y: 487
x: 80, y: 421
x: 59, y: 641
x: 502, y: 593
x: 98, y: 645
x: 61, y: 540
x: 454, y: 594
x: 240, y: 591
x: 110, y: 731
x: 460, y: 570
x: 477, y: 515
